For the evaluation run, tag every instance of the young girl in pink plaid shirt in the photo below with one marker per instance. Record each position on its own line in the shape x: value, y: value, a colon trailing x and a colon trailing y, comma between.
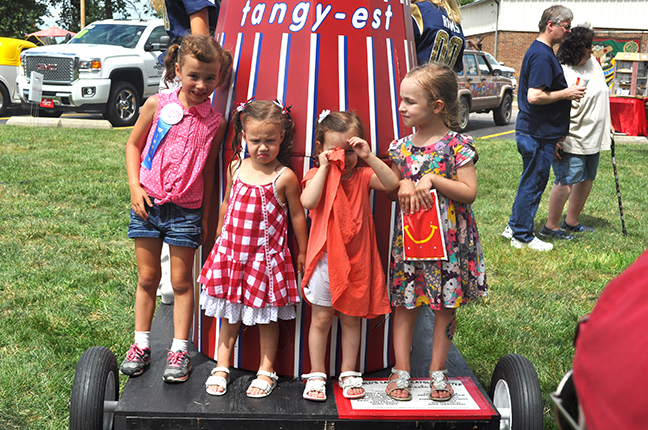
x: 170, y: 159
x: 249, y: 276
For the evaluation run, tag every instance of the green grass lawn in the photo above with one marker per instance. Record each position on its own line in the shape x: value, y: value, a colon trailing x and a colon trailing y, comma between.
x: 68, y: 272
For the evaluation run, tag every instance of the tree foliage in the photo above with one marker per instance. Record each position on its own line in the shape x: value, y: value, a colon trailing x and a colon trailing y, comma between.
x: 70, y: 11
x: 18, y: 18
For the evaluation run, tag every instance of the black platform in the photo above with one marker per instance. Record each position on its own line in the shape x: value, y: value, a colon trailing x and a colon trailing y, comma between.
x: 149, y: 403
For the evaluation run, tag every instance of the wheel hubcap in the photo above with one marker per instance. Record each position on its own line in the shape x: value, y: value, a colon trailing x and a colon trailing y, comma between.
x: 502, y: 401
x: 110, y: 393
x: 126, y: 105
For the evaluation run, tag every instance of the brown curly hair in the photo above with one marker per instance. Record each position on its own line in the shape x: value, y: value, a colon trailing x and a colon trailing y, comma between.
x: 268, y: 112
x: 338, y: 122
x: 203, y: 48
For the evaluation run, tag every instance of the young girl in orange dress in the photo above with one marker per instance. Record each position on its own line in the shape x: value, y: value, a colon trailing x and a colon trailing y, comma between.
x: 343, y: 270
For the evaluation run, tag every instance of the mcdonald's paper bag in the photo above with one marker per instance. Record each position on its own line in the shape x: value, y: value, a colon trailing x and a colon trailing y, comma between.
x: 422, y: 234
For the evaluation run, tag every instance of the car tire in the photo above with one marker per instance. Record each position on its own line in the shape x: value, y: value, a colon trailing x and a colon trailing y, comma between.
x: 123, y: 105
x: 464, y: 114
x: 49, y: 113
x: 502, y: 114
x: 5, y: 100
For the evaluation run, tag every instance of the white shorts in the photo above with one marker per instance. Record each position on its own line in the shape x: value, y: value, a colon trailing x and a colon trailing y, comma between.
x: 318, y: 290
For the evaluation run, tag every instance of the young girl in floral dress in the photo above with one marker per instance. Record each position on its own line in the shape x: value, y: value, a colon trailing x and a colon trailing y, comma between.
x: 433, y: 157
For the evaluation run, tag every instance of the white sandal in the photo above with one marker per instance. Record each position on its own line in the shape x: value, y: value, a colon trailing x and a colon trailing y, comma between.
x: 348, y: 381
x: 439, y: 382
x: 262, y: 385
x: 315, y: 381
x: 401, y: 382
x: 218, y: 381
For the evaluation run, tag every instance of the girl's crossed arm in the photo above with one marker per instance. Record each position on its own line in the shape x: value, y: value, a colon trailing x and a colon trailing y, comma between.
x: 134, y: 147
x: 383, y: 178
x: 291, y: 193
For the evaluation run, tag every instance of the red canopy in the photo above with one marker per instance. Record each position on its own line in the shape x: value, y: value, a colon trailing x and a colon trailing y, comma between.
x: 53, y: 31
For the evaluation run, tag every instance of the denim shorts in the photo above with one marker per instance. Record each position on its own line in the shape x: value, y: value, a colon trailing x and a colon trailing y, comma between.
x: 575, y: 168
x: 173, y: 224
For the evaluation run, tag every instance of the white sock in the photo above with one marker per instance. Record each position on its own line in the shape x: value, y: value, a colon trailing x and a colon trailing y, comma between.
x: 142, y: 339
x: 179, y: 345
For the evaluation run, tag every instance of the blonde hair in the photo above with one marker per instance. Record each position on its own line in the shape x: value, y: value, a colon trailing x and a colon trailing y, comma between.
x: 158, y: 5
x: 439, y: 82
x: 450, y: 6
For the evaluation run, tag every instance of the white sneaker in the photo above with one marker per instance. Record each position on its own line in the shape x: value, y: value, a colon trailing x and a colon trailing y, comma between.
x: 536, y: 244
x: 507, y: 233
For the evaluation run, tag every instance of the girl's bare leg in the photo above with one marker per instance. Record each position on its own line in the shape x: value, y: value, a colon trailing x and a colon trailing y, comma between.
x: 351, y: 332
x: 269, y: 339
x: 321, y: 320
x: 182, y: 280
x: 147, y: 252
x: 444, y: 328
x: 226, y: 338
x: 404, y: 320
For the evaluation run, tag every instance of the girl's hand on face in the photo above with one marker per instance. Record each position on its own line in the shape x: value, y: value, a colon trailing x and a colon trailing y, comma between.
x: 407, y: 196
x: 324, y: 158
x: 139, y: 201
x: 423, y: 188
x: 360, y: 146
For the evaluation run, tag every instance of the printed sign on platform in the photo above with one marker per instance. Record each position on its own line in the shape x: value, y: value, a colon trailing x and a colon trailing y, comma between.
x: 467, y: 403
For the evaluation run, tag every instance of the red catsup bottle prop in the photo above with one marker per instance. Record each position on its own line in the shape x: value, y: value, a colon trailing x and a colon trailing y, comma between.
x: 335, y: 55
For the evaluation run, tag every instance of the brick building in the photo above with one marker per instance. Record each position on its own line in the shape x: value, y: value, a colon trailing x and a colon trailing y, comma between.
x: 506, y: 28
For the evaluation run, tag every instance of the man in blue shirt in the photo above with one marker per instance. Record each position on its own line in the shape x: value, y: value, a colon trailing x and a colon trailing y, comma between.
x: 544, y: 102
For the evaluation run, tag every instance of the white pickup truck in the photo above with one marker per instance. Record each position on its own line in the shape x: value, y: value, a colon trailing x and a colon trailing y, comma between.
x: 110, y: 67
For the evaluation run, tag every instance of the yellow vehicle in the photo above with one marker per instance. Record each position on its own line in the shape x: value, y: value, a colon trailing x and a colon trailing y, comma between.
x: 10, y: 50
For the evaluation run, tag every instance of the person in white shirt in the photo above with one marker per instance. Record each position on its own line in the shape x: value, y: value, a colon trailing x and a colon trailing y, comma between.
x: 577, y: 157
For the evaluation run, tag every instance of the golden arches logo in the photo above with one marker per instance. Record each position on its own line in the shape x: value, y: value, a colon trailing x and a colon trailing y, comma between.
x: 433, y: 228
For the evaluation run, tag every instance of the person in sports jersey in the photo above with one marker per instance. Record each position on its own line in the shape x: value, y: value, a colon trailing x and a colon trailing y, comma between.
x: 437, y: 33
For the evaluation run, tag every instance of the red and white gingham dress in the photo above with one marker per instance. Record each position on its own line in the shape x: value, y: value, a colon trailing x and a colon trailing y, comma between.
x: 249, y: 274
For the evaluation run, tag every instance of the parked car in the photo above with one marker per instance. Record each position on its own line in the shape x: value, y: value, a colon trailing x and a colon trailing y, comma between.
x: 482, y: 88
x: 10, y: 50
x: 110, y: 66
x: 507, y: 72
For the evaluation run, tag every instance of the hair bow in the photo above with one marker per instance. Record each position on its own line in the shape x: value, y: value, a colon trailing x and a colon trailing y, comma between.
x: 242, y: 105
x: 323, y: 115
x: 284, y: 109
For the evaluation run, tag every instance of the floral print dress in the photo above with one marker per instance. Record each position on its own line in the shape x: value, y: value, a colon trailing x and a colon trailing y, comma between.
x: 462, y: 278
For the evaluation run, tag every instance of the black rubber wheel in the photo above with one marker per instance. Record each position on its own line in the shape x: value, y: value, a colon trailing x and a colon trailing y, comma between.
x: 123, y: 105
x: 464, y: 114
x: 5, y: 100
x: 516, y: 394
x: 95, y: 390
x: 502, y: 114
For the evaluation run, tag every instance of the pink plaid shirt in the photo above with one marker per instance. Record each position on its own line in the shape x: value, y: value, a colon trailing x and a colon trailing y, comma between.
x: 176, y: 173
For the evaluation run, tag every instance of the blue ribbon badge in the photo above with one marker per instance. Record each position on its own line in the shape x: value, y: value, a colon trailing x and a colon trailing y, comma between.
x: 171, y: 114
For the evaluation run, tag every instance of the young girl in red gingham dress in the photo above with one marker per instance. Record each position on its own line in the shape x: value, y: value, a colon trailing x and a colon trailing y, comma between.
x: 249, y: 276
